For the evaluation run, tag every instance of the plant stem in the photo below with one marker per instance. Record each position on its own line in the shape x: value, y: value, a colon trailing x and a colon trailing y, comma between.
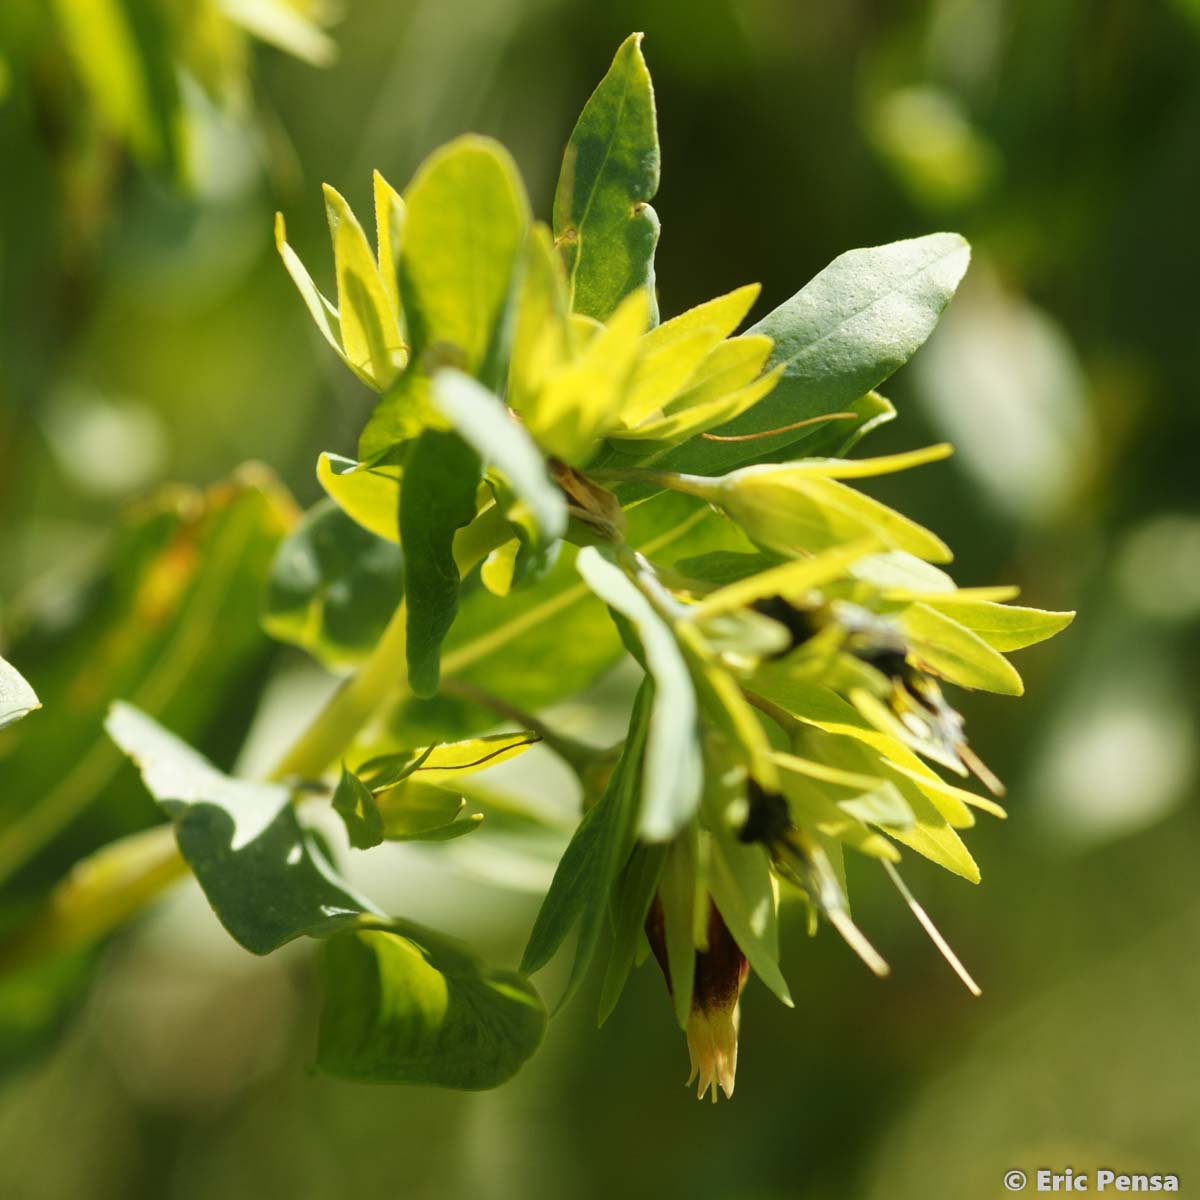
x: 784, y: 719
x: 692, y: 485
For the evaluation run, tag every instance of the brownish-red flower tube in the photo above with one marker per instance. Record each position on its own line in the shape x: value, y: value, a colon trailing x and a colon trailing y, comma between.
x: 712, y: 1028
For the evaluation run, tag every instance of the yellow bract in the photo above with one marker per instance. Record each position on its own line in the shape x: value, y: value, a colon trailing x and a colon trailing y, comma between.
x: 575, y: 382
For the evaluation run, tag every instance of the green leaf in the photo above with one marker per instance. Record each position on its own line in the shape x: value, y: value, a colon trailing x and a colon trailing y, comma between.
x: 368, y: 320
x: 930, y: 834
x: 704, y: 406
x: 354, y: 802
x: 390, y: 216
x: 263, y: 874
x: 672, y: 354
x: 17, y: 698
x: 812, y: 808
x: 677, y: 892
x: 467, y: 217
x: 1005, y: 627
x: 125, y: 58
x: 483, y: 422
x: 579, y: 892
x: 422, y: 812
x: 791, y: 580
x: 495, y: 640
x: 954, y: 652
x: 673, y: 771
x: 407, y: 1005
x: 840, y: 336
x: 369, y: 493
x: 603, y: 221
x: 323, y: 311
x: 788, y: 511
x: 581, y: 402
x: 739, y: 879
x: 542, y: 341
x: 437, y: 500
x: 634, y: 893
x: 404, y: 411
x: 333, y: 587
x: 447, y: 761
x: 411, y: 796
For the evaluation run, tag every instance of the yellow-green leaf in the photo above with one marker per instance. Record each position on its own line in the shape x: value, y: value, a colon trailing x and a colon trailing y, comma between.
x: 951, y: 650
x: 467, y: 217
x: 370, y: 327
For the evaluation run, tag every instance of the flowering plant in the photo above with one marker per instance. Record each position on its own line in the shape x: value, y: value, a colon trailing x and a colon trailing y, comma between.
x: 553, y: 479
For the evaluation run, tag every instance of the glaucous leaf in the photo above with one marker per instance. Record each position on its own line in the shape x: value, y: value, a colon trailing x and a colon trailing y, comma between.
x: 264, y: 875
x: 840, y: 336
x: 485, y: 424
x: 673, y: 771
x: 603, y: 221
x: 17, y: 698
x: 333, y: 587
x: 403, y: 1004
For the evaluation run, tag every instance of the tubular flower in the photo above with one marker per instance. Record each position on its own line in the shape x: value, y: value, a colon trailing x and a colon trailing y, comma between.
x: 720, y: 974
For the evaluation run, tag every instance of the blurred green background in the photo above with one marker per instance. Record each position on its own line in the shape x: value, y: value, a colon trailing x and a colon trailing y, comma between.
x: 148, y: 333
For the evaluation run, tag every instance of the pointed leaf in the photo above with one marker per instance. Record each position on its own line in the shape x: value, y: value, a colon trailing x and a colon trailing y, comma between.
x: 1005, y: 627
x: 580, y: 889
x: 671, y: 789
x: 634, y: 893
x: 954, y: 652
x: 322, y: 311
x: 369, y: 321
x: 841, y: 335
x: 389, y: 237
x: 17, y: 698
x: 603, y: 221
